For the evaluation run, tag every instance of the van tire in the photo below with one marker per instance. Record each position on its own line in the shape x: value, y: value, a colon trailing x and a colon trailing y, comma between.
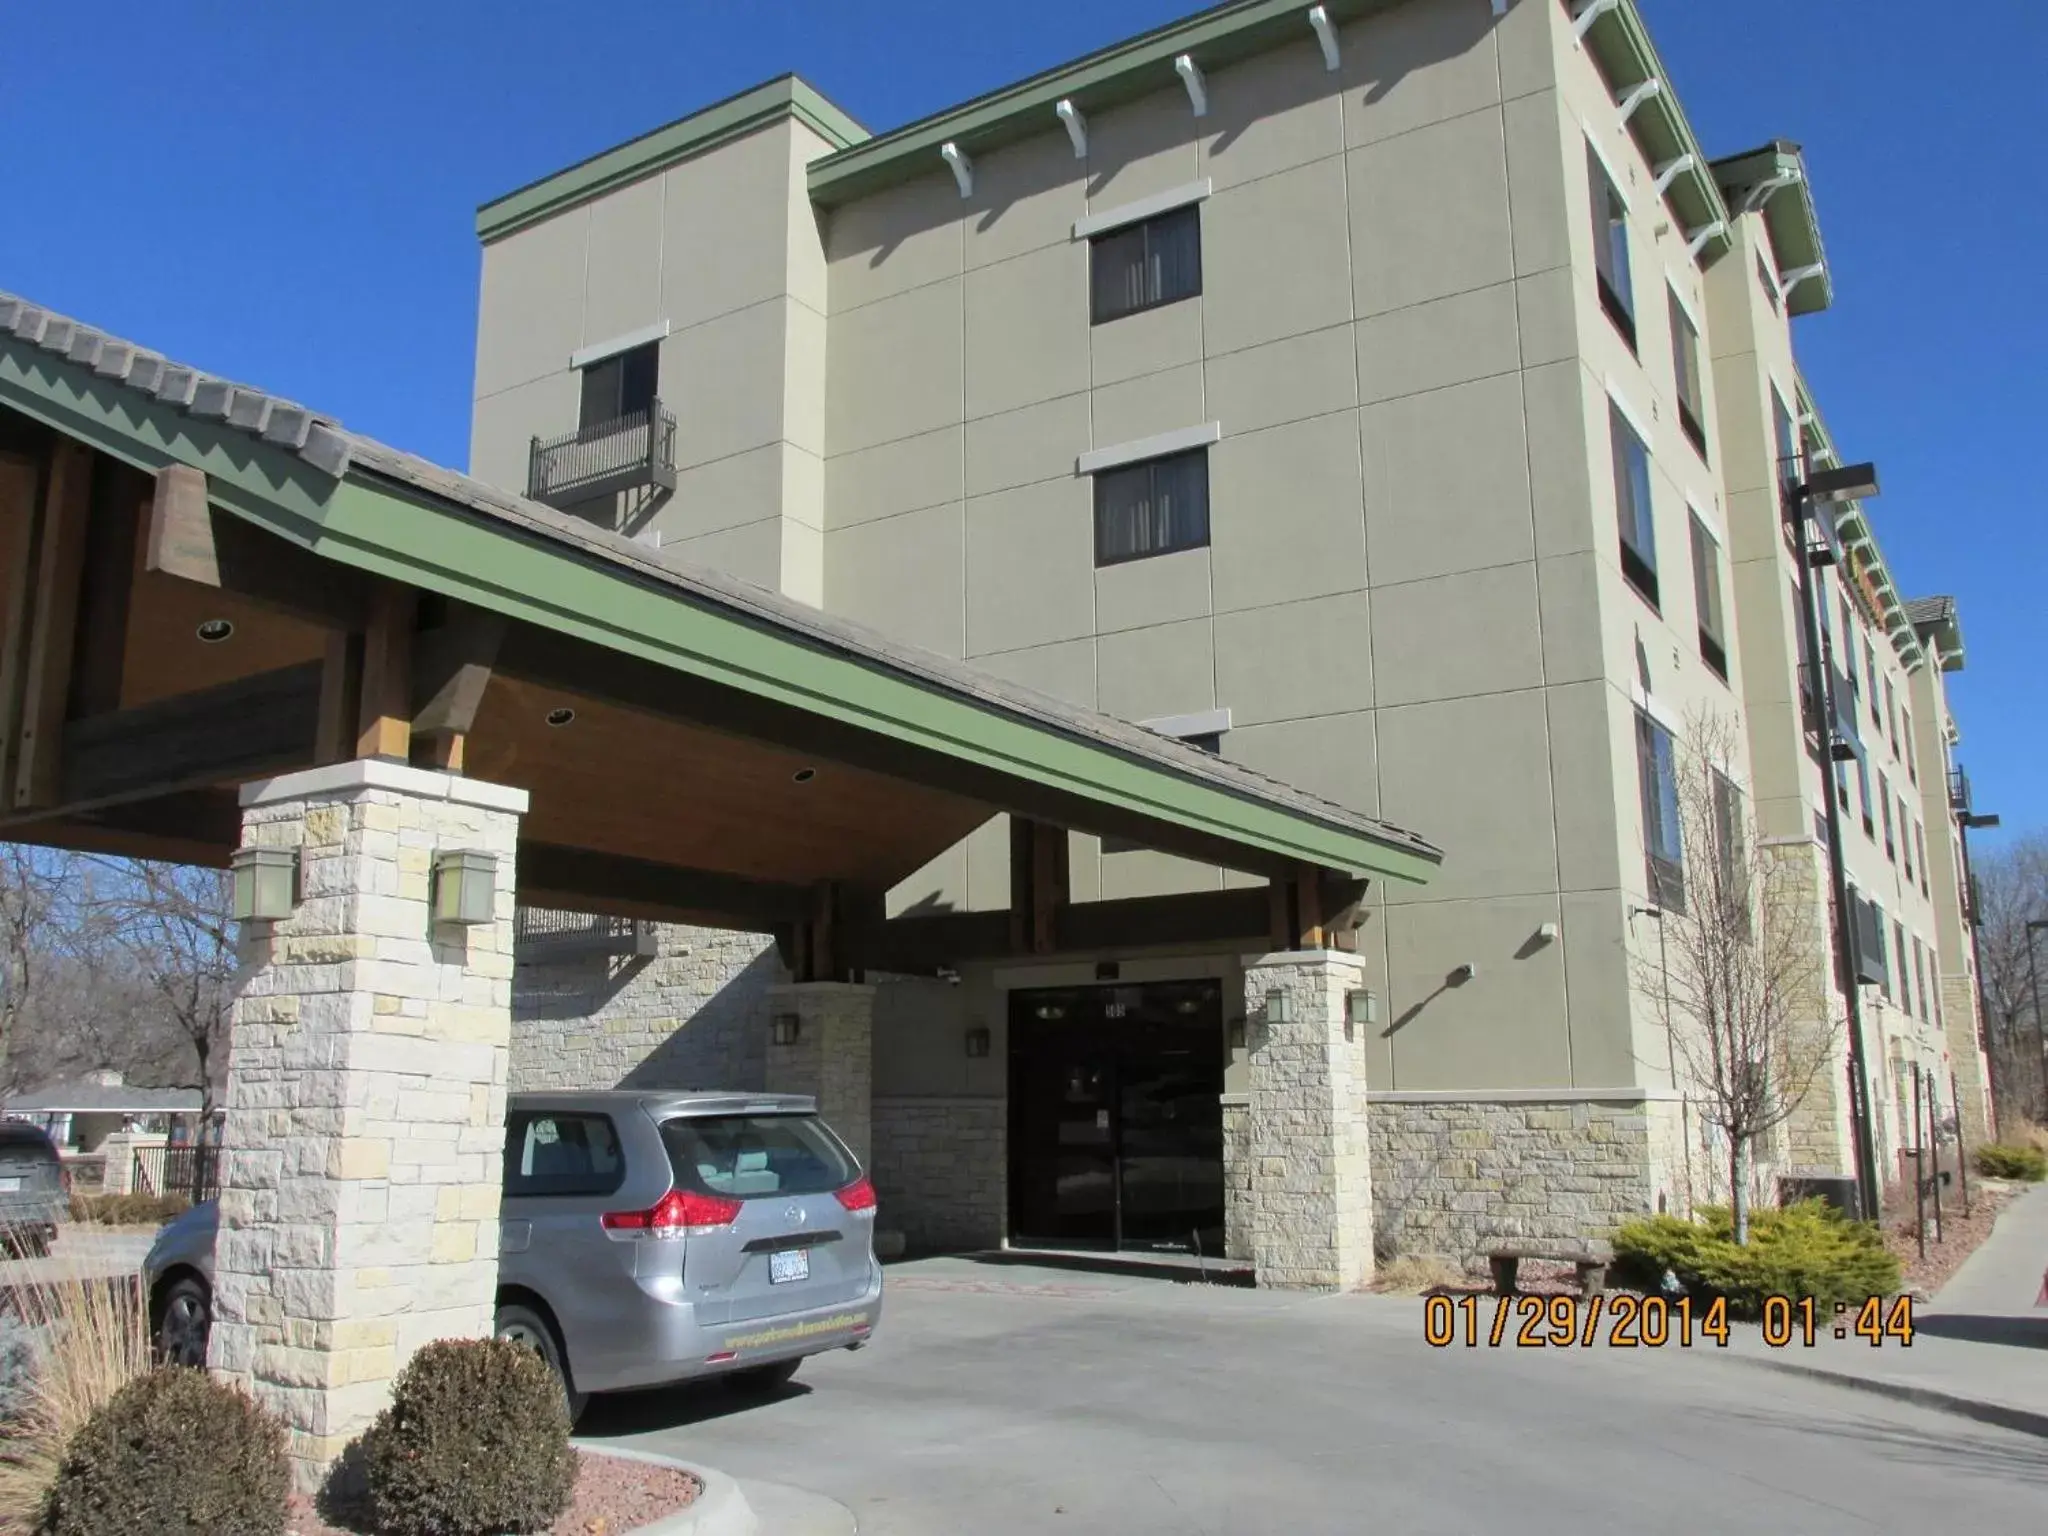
x: 523, y: 1325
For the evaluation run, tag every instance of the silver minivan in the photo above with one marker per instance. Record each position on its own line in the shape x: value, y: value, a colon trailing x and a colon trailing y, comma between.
x: 644, y: 1238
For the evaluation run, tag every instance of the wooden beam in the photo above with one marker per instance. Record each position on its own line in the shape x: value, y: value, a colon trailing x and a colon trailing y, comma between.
x: 341, y: 698
x: 384, y: 720
x: 21, y: 515
x: 120, y: 508
x: 120, y: 843
x: 195, y: 541
x: 1048, y: 885
x: 1197, y: 920
x: 451, y: 669
x: 580, y: 880
x: 53, y: 627
x: 239, y: 730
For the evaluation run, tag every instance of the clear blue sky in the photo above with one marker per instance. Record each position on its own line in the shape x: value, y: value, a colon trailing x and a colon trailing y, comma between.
x: 284, y: 194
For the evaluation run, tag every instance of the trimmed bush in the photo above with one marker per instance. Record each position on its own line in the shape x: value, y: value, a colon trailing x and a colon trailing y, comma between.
x: 2006, y: 1160
x: 476, y: 1441
x: 139, y: 1210
x: 1807, y: 1249
x: 173, y: 1452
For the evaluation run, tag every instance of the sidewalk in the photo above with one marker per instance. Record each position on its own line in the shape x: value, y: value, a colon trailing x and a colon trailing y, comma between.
x: 1980, y: 1348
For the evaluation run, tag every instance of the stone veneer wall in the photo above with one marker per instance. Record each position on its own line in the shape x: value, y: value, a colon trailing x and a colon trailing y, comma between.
x: 1237, y: 1177
x: 695, y: 1015
x: 940, y: 1166
x: 1451, y: 1176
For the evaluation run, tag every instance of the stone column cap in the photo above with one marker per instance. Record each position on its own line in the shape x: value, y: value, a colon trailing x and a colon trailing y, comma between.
x: 1281, y: 958
x: 375, y: 773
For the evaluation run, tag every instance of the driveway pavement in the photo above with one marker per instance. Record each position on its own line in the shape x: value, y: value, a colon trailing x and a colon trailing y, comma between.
x: 1005, y: 1399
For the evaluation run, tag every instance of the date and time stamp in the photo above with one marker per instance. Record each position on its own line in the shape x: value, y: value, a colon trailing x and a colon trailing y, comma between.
x: 1625, y: 1321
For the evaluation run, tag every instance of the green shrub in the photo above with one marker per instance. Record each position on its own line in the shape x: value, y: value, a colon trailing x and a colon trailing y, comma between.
x: 1807, y: 1249
x: 137, y: 1210
x: 2006, y: 1160
x: 476, y: 1441
x: 172, y: 1452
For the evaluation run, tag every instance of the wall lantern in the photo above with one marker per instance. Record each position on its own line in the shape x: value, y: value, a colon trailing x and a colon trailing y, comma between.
x: 1361, y: 1007
x: 1278, y: 1009
x: 266, y: 883
x: 784, y: 1028
x: 465, y: 887
x: 978, y: 1041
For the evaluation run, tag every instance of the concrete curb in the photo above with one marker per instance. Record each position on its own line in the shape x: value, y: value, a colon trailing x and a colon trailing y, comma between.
x: 2022, y: 1420
x: 720, y: 1510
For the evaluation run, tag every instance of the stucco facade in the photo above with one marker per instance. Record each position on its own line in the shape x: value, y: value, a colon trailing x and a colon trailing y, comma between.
x: 1410, y: 598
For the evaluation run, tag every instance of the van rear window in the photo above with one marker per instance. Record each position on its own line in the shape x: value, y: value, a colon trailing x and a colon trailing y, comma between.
x: 751, y: 1156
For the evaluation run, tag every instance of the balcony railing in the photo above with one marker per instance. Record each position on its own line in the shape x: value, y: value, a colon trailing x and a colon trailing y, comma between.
x: 605, y: 458
x: 1959, y: 791
x: 538, y: 934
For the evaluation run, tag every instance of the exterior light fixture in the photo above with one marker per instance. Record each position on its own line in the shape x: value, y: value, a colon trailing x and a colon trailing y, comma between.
x: 803, y: 776
x: 1361, y: 1007
x: 784, y: 1028
x: 1279, y: 1010
x: 1463, y: 974
x: 978, y: 1041
x: 561, y: 717
x: 465, y: 887
x: 213, y: 631
x: 266, y: 884
x: 1050, y: 1011
x: 1547, y: 932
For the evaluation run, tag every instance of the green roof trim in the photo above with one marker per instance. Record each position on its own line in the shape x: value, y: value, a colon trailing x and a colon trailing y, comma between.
x: 1788, y: 215
x: 1853, y: 529
x: 1620, y: 44
x: 719, y: 123
x: 388, y: 515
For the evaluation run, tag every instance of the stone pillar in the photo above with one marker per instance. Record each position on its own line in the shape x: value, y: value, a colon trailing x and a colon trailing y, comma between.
x: 1962, y: 1023
x: 365, y: 1098
x: 1311, y: 1169
x: 832, y: 1056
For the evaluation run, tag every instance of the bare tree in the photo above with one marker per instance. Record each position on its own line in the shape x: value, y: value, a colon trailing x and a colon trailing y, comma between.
x: 175, y: 922
x: 2012, y: 890
x: 1739, y: 978
x: 29, y: 894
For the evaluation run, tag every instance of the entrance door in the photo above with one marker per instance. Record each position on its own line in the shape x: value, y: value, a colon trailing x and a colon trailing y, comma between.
x: 1116, y: 1117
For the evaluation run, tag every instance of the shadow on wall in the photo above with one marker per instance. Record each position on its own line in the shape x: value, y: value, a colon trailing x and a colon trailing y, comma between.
x: 694, y: 1015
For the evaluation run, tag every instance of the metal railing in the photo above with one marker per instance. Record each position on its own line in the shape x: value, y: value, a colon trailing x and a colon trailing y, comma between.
x: 538, y: 933
x: 1959, y: 791
x: 604, y: 458
x: 192, y: 1169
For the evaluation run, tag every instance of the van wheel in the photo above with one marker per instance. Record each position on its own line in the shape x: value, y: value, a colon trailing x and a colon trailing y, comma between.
x: 184, y: 1319
x: 523, y: 1325
x: 757, y: 1380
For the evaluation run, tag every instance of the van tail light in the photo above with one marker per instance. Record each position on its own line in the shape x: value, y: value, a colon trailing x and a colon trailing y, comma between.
x: 857, y: 1196
x: 676, y: 1212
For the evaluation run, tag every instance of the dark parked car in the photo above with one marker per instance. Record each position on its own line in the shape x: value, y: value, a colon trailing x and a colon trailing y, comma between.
x: 645, y: 1238
x: 33, y: 1195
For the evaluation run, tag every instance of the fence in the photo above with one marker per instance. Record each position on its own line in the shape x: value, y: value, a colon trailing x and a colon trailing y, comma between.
x: 191, y: 1169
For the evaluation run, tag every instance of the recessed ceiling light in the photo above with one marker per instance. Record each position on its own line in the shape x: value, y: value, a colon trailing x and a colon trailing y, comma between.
x: 804, y: 775
x: 213, y: 631
x: 561, y: 715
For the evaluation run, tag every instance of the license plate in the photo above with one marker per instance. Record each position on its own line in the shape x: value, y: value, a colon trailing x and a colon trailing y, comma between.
x: 790, y: 1264
x: 10, y: 1184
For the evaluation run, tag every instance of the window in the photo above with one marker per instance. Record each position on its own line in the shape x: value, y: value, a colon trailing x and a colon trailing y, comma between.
x: 1610, y: 248
x: 1144, y: 265
x: 1920, y: 845
x: 1706, y: 591
x: 1905, y: 842
x: 1870, y: 673
x: 1849, y: 652
x: 619, y: 386
x: 1904, y: 994
x: 1768, y: 282
x: 1912, y: 757
x: 1920, y: 975
x: 1657, y: 767
x: 1891, y: 714
x: 1884, y: 800
x: 1685, y: 359
x: 1863, y: 789
x: 1729, y: 857
x: 1842, y: 784
x: 745, y: 1156
x: 554, y: 1154
x: 1785, y: 442
x: 1152, y: 508
x: 1632, y: 505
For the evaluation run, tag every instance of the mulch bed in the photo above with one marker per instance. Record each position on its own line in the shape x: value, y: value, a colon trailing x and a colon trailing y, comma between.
x: 614, y: 1496
x: 1960, y: 1235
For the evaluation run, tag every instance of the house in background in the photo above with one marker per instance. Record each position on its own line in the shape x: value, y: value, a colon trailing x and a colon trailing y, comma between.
x: 102, y: 1118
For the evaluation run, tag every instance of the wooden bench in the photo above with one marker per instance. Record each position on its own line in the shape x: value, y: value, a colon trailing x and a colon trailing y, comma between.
x: 1505, y: 1260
